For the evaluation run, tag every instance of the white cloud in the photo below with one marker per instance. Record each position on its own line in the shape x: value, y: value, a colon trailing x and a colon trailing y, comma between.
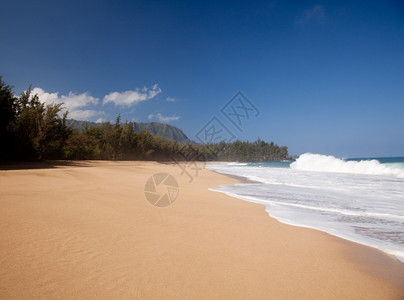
x: 84, y: 106
x: 129, y: 98
x: 316, y: 13
x: 170, y: 99
x: 75, y: 103
x: 71, y: 101
x: 48, y: 98
x: 100, y: 120
x: 162, y: 118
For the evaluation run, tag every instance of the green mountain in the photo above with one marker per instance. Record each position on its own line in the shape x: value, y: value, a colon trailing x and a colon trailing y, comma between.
x: 163, y: 130
x: 154, y: 128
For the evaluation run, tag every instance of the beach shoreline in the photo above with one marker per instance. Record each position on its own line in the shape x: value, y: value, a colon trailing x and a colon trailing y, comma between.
x: 87, y: 230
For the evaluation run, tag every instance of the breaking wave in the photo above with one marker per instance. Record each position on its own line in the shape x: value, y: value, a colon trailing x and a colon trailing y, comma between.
x: 325, y: 163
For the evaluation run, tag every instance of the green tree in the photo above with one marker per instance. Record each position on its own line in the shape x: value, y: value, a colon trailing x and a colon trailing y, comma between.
x: 39, y: 130
x: 7, y: 117
x: 127, y: 141
x: 81, y: 146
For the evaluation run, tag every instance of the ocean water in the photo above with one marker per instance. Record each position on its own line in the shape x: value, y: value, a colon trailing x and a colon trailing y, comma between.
x: 361, y: 200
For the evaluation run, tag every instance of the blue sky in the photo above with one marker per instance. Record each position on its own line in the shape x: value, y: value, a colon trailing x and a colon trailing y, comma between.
x: 326, y: 76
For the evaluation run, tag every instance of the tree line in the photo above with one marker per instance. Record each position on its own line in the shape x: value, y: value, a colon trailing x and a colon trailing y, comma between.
x: 32, y: 130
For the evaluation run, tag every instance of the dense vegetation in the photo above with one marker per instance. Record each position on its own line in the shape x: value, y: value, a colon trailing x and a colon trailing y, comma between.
x: 154, y: 128
x: 31, y: 130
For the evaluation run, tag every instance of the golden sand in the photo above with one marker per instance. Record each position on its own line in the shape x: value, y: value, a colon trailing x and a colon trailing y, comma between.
x: 87, y: 231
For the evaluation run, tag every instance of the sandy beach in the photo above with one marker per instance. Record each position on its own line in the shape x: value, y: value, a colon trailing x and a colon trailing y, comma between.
x: 85, y: 230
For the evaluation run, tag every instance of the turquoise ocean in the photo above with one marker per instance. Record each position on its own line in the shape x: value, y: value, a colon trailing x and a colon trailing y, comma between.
x: 360, y: 199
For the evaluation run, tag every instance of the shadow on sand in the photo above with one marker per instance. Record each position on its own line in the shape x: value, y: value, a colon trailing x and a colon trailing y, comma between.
x: 43, y: 164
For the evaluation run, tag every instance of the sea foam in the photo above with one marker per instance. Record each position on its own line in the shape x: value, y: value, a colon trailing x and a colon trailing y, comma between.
x: 325, y: 163
x: 362, y: 201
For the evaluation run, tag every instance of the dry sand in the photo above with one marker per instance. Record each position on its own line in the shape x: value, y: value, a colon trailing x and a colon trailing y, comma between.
x: 87, y: 231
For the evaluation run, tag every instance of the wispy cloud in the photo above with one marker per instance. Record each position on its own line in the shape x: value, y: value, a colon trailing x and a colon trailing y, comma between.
x: 162, y: 118
x: 129, y: 98
x: 316, y: 13
x: 170, y: 99
x: 77, y: 104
